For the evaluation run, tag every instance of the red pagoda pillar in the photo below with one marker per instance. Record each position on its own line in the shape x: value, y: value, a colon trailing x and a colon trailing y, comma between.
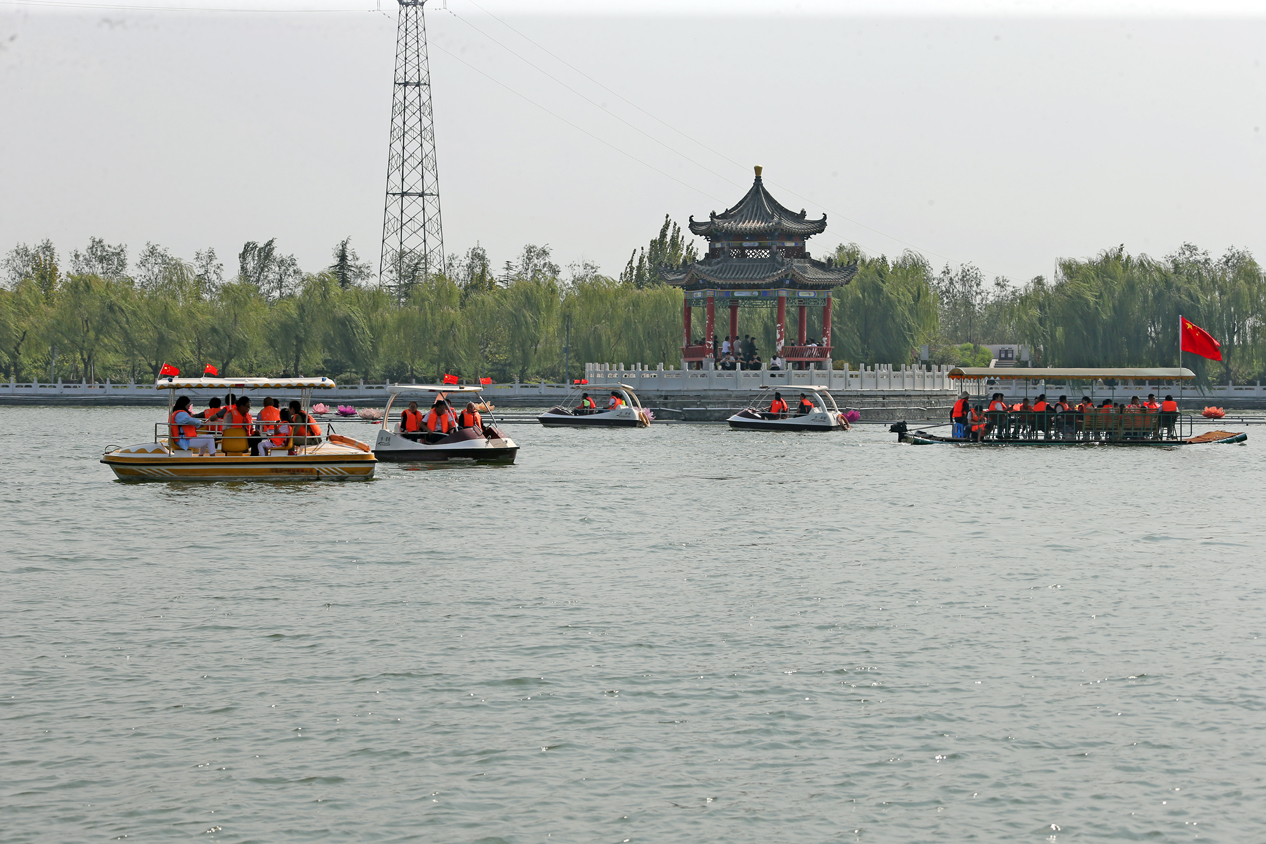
x: 802, y: 326
x: 826, y: 323
x: 780, y: 332
x: 685, y: 320
x: 733, y: 323
x: 711, y: 323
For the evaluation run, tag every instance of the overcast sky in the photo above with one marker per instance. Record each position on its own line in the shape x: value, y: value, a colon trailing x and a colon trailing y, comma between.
x: 1005, y: 134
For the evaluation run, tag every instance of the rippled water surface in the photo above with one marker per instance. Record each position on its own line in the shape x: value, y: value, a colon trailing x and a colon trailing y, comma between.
x: 679, y: 634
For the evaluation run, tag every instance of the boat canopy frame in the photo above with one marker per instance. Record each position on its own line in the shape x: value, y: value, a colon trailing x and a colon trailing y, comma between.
x: 1059, y: 375
x: 821, y: 392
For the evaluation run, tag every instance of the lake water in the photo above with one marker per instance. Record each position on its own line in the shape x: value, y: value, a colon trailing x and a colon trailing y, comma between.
x: 677, y: 634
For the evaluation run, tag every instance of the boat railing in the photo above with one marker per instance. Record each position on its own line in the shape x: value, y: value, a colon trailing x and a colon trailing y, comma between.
x: 300, y: 443
x: 1115, y: 425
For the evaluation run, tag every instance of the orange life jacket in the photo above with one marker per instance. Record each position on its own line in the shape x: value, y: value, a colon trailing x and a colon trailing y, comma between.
x: 588, y: 404
x: 283, y: 435
x: 268, y: 415
x: 806, y: 406
x: 440, y: 421
x: 1039, y: 407
x: 1169, y: 406
x: 1151, y: 405
x: 777, y: 406
x: 960, y: 409
x: 411, y: 421
x: 212, y: 427
x: 305, y: 420
x: 239, y: 420
x: 977, y: 420
x: 1061, y: 406
x: 471, y: 419
x: 178, y: 431
x: 996, y: 406
x: 615, y: 403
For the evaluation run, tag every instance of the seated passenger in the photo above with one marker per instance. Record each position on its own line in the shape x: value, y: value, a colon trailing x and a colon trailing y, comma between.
x: 996, y: 404
x: 587, y: 405
x: 978, y: 425
x: 1039, y: 406
x: 441, y: 419
x: 213, y: 412
x: 269, y: 414
x: 778, y: 408
x: 1134, y: 405
x: 1151, y: 403
x: 616, y: 402
x: 305, y: 428
x: 182, y: 429
x: 411, y: 419
x: 280, y: 434
x: 805, y: 407
x: 470, y: 417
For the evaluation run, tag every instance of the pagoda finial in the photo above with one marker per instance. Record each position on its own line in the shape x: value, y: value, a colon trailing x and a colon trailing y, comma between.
x: 758, y: 168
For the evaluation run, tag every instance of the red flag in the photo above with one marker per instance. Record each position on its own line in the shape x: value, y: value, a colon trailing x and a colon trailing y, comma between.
x: 212, y: 371
x: 168, y: 369
x: 584, y: 380
x: 485, y: 380
x: 1197, y: 341
x: 450, y: 379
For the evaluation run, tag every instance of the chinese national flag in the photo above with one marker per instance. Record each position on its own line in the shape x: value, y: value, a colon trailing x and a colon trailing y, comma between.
x: 212, y: 371
x: 168, y: 369
x: 1197, y: 341
x: 450, y: 379
x: 485, y: 381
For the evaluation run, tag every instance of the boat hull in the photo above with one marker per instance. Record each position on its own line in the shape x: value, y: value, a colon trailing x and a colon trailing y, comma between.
x: 749, y: 420
x: 624, y: 417
x: 931, y: 439
x: 465, y: 446
x: 151, y: 462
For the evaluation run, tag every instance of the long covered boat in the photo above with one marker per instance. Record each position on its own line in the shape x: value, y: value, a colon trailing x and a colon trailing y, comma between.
x: 315, y: 453
x: 1117, y: 424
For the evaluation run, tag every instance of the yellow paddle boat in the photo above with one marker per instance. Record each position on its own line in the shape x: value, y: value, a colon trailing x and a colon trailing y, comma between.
x: 226, y: 449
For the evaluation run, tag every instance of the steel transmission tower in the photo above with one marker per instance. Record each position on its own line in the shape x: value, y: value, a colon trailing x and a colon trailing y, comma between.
x: 412, y: 237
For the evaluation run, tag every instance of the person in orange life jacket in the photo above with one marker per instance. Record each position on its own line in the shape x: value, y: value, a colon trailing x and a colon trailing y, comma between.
x: 411, y: 419
x: 1169, y: 405
x: 1062, y: 405
x: 269, y: 414
x: 1039, y: 405
x: 470, y: 417
x: 1135, y: 404
x: 441, y: 419
x: 305, y: 429
x: 214, y: 411
x: 778, y: 408
x: 1151, y: 403
x: 239, y: 416
x: 805, y: 407
x: 615, y: 402
x: 182, y: 429
x: 958, y: 416
x: 280, y: 434
x: 976, y: 419
x: 587, y: 405
x: 996, y: 404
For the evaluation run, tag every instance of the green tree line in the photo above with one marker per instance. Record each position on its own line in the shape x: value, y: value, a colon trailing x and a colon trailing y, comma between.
x: 96, y: 315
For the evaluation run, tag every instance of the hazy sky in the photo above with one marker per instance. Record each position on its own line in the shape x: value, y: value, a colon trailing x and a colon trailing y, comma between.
x: 1006, y: 134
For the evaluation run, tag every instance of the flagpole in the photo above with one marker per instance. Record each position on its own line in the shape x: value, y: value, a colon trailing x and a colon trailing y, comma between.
x: 1180, y: 381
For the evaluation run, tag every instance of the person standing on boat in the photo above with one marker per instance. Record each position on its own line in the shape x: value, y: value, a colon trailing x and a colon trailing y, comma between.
x: 411, y: 420
x: 182, y: 428
x: 778, y: 408
x: 958, y: 416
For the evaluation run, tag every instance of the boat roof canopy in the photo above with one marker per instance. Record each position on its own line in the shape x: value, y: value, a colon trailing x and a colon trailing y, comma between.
x: 401, y: 389
x: 1054, y: 374
x: 244, y: 383
x: 791, y: 388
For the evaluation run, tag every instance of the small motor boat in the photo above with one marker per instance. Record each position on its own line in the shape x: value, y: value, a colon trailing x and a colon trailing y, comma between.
x: 627, y: 412
x: 825, y: 415
x: 489, y: 445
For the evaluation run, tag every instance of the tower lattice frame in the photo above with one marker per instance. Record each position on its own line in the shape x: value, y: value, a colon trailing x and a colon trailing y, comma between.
x: 412, y: 235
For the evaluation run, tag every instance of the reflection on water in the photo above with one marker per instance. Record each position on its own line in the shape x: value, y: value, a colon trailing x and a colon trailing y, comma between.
x: 679, y: 633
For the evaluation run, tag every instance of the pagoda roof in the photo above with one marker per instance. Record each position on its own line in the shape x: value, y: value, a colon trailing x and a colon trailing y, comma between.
x: 756, y: 215
x: 804, y: 273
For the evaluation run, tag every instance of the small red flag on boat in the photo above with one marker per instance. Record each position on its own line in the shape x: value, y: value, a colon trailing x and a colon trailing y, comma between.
x: 584, y: 380
x: 485, y: 380
x: 1197, y: 341
x: 168, y: 369
x: 450, y: 379
x: 212, y: 371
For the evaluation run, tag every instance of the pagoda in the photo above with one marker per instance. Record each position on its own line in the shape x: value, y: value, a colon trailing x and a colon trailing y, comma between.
x: 757, y: 258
